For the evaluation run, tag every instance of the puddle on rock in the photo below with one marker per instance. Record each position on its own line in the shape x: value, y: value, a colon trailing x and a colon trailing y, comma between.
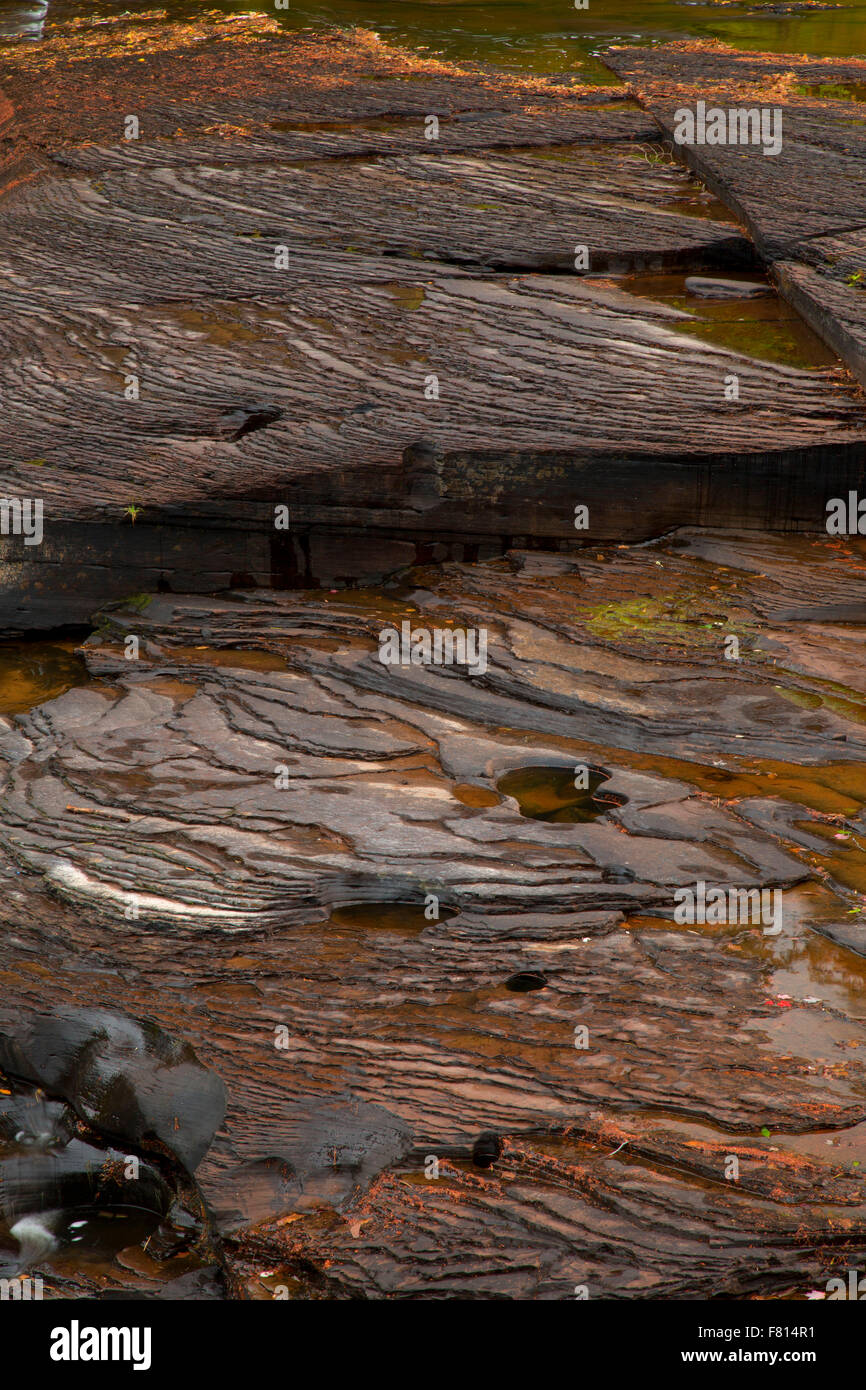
x: 404, y: 917
x: 853, y: 709
x: 804, y: 966
x: 828, y: 788
x: 811, y: 967
x: 549, y: 794
x: 33, y: 670
x: 181, y: 691
x: 468, y: 794
x: 392, y: 123
x: 845, y: 863
x: 363, y: 602
x: 69, y: 1208
x: 832, y: 91
x: 699, y: 202
x: 239, y: 658
x: 764, y: 328
x: 408, y: 297
x: 811, y: 1035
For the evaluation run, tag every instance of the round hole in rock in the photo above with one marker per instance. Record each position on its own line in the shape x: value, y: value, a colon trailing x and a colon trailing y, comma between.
x: 395, y: 917
x: 549, y: 793
x: 525, y: 981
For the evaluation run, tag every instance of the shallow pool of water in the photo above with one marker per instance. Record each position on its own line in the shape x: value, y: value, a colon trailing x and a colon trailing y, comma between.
x: 35, y: 670
x: 390, y: 916
x: 549, y: 793
x: 833, y: 91
x: 765, y: 328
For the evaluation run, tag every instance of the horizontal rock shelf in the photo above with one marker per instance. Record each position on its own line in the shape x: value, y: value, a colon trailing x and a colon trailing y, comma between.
x: 163, y: 371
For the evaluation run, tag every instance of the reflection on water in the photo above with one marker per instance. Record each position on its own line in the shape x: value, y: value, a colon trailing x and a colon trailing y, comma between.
x: 236, y: 658
x: 550, y: 794
x: 32, y: 671
x: 65, y: 1204
x: 550, y: 37
x: 765, y: 327
x: 833, y: 91
x: 389, y: 916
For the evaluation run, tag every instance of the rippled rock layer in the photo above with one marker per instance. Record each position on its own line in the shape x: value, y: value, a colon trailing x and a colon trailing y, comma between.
x: 302, y: 861
x: 379, y: 290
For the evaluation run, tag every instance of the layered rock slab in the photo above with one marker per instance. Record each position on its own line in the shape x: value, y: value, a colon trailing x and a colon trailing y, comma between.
x: 147, y: 315
x: 805, y: 204
x: 150, y: 854
x: 165, y: 869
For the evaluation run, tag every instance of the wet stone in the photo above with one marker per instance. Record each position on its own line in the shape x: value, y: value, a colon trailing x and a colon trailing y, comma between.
x: 70, y: 1203
x: 256, y: 847
x: 706, y: 288
x: 32, y: 1121
x: 124, y: 1076
x: 804, y: 206
x: 461, y: 259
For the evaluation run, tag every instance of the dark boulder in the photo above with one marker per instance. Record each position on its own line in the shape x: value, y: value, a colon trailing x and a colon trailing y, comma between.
x: 124, y: 1076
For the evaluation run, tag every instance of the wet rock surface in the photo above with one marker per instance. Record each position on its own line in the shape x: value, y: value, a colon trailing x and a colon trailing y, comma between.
x: 195, y: 842
x: 76, y: 1202
x: 76, y: 1176
x: 174, y: 380
x: 125, y: 1077
x: 388, y: 954
x: 87, y: 1214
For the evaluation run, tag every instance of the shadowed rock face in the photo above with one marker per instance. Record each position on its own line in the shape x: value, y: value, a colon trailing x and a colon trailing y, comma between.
x: 126, y: 1078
